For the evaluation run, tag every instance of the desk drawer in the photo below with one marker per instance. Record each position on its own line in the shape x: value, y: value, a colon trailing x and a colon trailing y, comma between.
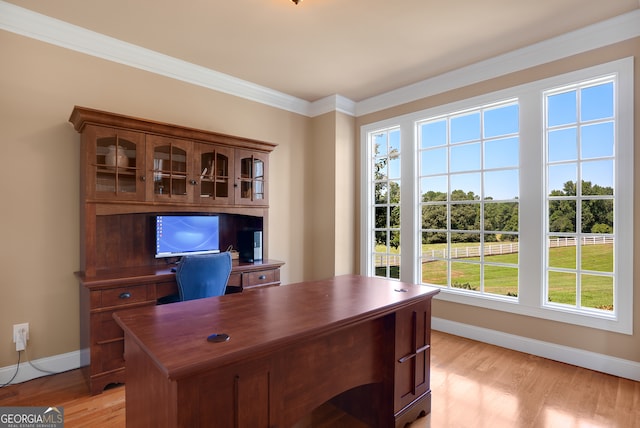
x: 252, y: 279
x: 124, y: 295
x: 108, y: 356
x: 105, y: 328
x: 235, y: 280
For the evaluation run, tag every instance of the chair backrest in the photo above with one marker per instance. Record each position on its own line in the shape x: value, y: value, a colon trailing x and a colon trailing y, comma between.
x: 203, y: 275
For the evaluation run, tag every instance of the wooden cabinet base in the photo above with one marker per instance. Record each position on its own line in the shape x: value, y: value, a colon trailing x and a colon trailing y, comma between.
x: 417, y: 409
x: 97, y: 383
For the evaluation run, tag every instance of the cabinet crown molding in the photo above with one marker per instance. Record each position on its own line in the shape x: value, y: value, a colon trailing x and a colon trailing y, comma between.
x: 82, y: 116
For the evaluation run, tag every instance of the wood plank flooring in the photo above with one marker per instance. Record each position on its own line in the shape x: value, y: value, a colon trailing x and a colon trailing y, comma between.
x: 474, y: 385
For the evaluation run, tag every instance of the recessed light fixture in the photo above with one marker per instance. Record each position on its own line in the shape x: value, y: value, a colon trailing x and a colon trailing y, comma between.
x: 296, y: 1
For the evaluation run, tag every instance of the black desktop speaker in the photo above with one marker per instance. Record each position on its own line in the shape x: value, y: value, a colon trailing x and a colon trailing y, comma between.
x: 250, y: 245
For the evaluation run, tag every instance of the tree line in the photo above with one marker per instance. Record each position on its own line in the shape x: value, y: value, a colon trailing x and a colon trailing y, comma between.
x: 500, y: 217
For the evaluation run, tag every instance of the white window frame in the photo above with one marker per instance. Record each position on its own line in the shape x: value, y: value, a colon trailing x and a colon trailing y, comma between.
x: 386, y: 255
x: 531, y: 293
x: 481, y: 232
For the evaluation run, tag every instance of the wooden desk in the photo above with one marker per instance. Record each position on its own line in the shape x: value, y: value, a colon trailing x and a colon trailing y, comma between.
x: 361, y: 342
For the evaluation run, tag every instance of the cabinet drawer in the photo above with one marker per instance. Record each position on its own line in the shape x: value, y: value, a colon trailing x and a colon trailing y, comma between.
x: 124, y: 296
x: 235, y: 280
x: 258, y: 278
x: 107, y: 357
x: 105, y: 328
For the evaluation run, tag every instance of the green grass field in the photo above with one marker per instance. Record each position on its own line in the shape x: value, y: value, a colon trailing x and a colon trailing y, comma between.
x: 596, y: 290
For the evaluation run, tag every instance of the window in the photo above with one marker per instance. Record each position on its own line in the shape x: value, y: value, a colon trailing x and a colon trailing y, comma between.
x: 519, y: 200
x: 386, y: 203
x: 468, y: 175
x: 580, y: 145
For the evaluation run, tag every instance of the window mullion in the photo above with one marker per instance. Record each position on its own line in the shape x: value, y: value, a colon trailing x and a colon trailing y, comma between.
x: 532, y: 194
x: 408, y: 194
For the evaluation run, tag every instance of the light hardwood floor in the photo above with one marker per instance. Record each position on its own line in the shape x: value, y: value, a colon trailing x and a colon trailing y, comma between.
x: 474, y: 385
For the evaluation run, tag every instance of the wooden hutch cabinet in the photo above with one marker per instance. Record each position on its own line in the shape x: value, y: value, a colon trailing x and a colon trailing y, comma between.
x: 132, y: 170
x: 113, y: 164
x: 252, y: 171
x: 216, y: 169
x: 171, y: 176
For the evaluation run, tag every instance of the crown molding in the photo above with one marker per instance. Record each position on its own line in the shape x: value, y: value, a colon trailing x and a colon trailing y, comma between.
x: 31, y: 24
x: 332, y: 103
x: 598, y: 35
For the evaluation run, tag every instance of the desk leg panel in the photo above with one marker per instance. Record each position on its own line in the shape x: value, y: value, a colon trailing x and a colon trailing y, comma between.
x: 318, y: 369
x: 151, y: 398
x: 236, y: 396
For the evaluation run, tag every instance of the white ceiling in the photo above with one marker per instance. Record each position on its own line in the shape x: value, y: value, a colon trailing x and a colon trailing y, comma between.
x: 354, y: 48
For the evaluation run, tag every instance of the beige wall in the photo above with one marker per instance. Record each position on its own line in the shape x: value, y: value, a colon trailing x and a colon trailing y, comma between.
x: 39, y: 230
x: 345, y: 194
x: 319, y: 197
x: 330, y: 199
x: 617, y: 345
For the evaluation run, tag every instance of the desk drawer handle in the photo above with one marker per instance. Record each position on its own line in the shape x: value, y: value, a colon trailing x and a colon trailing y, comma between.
x: 261, y: 277
x: 414, y: 354
x: 125, y: 295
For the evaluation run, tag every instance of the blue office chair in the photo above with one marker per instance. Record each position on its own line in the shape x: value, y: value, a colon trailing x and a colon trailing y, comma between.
x: 204, y: 275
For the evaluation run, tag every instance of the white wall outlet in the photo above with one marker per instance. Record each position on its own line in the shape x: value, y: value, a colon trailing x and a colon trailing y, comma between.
x: 21, y: 335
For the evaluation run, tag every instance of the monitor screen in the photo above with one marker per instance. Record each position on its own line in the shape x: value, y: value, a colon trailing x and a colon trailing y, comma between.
x: 179, y: 235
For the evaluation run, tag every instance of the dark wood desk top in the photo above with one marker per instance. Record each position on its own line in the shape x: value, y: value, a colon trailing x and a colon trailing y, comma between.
x: 259, y: 322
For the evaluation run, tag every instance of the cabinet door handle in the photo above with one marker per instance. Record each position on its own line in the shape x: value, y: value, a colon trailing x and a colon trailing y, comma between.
x: 193, y: 182
x: 125, y: 295
x: 262, y: 277
x: 143, y: 178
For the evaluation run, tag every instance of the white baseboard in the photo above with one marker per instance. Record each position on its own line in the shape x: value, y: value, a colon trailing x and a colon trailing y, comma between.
x: 577, y: 357
x: 55, y: 364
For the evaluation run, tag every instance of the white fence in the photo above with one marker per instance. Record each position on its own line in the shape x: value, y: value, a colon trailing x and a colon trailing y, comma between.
x: 489, y: 250
x: 585, y: 240
x: 386, y: 259
x: 508, y: 248
x: 471, y: 251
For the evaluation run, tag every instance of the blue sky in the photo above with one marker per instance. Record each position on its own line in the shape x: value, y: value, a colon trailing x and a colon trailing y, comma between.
x: 580, y: 136
x: 501, y: 151
x: 581, y: 128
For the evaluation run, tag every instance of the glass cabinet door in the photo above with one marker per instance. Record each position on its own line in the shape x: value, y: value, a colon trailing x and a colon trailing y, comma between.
x: 252, y: 178
x: 117, y: 159
x: 169, y: 168
x: 216, y: 174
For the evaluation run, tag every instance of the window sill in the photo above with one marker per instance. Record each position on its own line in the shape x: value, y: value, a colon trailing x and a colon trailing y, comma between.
x: 584, y: 319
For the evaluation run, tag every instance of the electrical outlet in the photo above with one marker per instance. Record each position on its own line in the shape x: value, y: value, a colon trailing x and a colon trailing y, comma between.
x: 21, y: 335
